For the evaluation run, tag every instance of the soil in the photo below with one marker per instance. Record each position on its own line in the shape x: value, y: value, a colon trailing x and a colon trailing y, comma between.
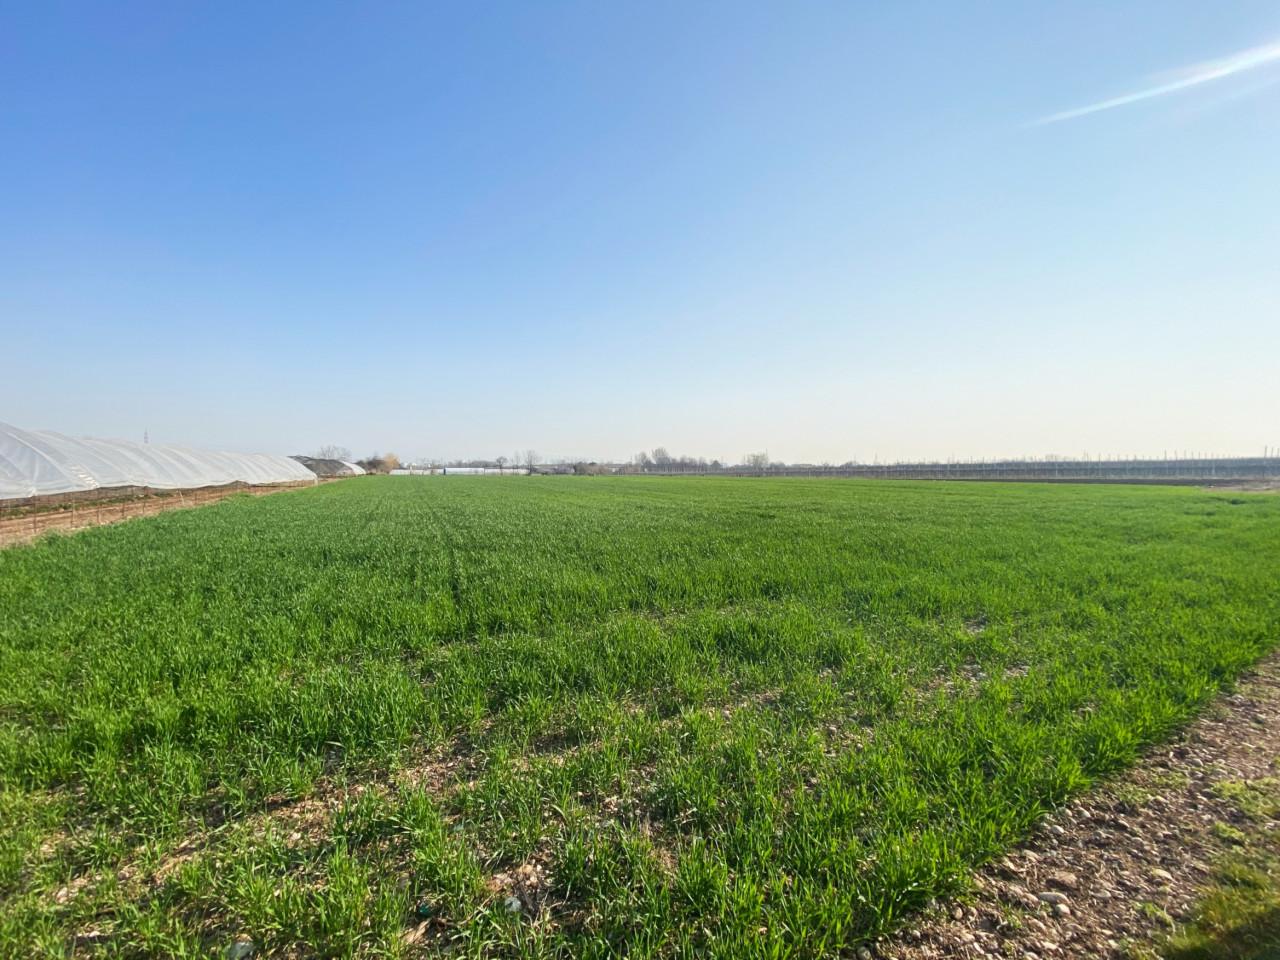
x: 1250, y: 486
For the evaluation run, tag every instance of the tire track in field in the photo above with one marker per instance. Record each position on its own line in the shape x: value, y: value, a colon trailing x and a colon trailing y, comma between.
x: 452, y: 564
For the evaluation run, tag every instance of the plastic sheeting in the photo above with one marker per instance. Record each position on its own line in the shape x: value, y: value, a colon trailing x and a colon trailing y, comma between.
x: 35, y: 463
x: 329, y: 468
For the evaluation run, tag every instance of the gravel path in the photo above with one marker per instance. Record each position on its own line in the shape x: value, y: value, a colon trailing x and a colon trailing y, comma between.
x: 1113, y: 870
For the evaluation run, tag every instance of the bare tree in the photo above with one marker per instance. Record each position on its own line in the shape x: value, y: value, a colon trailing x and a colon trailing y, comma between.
x: 501, y: 462
x: 390, y: 462
x: 758, y: 461
x: 331, y: 451
x: 530, y: 459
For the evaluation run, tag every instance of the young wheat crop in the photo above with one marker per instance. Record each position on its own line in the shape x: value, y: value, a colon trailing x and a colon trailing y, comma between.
x: 587, y: 717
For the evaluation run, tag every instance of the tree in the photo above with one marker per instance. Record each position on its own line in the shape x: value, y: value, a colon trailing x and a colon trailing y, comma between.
x: 331, y: 451
x: 390, y: 462
x: 758, y: 461
x: 501, y: 462
x: 661, y: 457
x: 530, y: 459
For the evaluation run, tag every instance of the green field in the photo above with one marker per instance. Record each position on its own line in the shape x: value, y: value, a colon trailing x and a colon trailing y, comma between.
x: 698, y: 717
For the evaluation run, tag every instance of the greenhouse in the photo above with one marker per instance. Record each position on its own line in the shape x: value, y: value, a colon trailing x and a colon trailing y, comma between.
x: 326, y: 468
x: 42, y: 463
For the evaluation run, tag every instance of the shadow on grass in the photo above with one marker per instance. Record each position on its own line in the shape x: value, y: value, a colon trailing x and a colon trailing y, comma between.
x: 1256, y: 936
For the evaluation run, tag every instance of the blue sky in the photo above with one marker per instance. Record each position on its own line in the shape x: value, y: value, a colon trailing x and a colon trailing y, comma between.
x: 825, y: 230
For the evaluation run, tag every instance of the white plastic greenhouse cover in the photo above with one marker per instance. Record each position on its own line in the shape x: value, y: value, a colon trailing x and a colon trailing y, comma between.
x: 35, y: 463
x: 356, y: 469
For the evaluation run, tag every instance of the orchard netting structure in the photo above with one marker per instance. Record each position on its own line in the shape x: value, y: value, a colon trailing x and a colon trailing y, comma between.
x: 38, y: 463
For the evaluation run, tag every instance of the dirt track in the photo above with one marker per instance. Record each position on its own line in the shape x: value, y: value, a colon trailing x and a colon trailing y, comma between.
x: 79, y: 515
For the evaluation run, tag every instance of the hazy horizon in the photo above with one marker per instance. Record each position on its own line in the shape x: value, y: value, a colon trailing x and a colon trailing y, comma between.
x: 829, y: 232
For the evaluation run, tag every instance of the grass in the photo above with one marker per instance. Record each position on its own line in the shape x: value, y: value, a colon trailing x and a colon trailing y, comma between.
x: 672, y: 718
x: 1238, y: 916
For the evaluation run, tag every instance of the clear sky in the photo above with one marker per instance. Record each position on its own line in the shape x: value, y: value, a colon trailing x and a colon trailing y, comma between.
x: 832, y: 231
